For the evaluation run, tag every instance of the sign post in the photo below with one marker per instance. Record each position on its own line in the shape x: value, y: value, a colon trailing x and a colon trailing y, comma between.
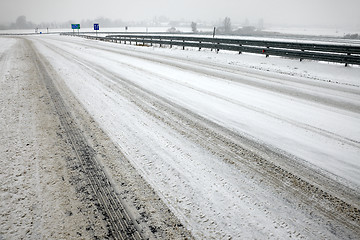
x: 75, y: 26
x: 96, y: 27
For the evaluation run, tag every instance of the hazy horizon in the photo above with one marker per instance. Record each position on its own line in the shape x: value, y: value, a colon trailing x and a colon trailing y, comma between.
x: 278, y: 12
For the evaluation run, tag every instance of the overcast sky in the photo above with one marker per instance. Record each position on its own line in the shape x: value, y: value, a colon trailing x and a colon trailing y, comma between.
x: 287, y: 12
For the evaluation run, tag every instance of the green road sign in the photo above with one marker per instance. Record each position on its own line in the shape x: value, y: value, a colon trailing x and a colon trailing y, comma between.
x: 75, y: 26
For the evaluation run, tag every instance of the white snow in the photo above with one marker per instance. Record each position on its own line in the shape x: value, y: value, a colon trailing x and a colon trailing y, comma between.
x: 239, y: 92
x: 313, y: 31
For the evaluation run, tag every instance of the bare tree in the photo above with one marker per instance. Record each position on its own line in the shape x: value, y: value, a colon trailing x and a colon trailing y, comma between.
x: 21, y: 23
x: 227, y: 25
x: 194, y: 27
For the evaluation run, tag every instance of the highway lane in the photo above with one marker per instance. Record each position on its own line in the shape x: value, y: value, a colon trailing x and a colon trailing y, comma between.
x: 201, y: 145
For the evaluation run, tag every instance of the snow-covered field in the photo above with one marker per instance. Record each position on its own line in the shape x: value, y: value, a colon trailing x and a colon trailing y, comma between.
x: 314, y: 31
x: 189, y: 120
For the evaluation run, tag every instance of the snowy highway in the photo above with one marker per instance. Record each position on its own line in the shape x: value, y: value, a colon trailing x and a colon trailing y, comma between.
x: 235, y: 146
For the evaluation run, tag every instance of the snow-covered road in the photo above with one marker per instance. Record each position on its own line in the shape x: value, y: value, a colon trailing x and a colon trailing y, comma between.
x: 238, y: 146
x: 315, y: 121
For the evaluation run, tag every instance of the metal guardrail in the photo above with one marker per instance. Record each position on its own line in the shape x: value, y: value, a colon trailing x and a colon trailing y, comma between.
x: 337, y: 53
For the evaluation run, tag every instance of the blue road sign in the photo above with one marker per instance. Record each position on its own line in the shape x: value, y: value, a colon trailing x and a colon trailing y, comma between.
x: 75, y: 26
x: 96, y: 26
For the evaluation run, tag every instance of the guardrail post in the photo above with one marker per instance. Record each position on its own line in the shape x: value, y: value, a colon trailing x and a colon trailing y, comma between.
x: 217, y: 50
x: 170, y: 43
x: 346, y: 64
x: 151, y: 42
x: 302, y: 50
x: 199, y: 45
x: 267, y: 55
x: 240, y: 47
x: 160, y: 42
x: 183, y: 44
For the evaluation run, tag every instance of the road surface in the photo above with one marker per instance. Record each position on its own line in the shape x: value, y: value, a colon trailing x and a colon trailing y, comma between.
x: 109, y: 140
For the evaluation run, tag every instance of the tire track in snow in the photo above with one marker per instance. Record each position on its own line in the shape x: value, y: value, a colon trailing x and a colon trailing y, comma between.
x: 307, y: 127
x: 121, y: 226
x: 265, y: 83
x: 276, y: 78
x: 234, y: 149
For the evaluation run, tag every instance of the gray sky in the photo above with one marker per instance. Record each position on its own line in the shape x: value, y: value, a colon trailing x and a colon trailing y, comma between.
x: 286, y: 12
